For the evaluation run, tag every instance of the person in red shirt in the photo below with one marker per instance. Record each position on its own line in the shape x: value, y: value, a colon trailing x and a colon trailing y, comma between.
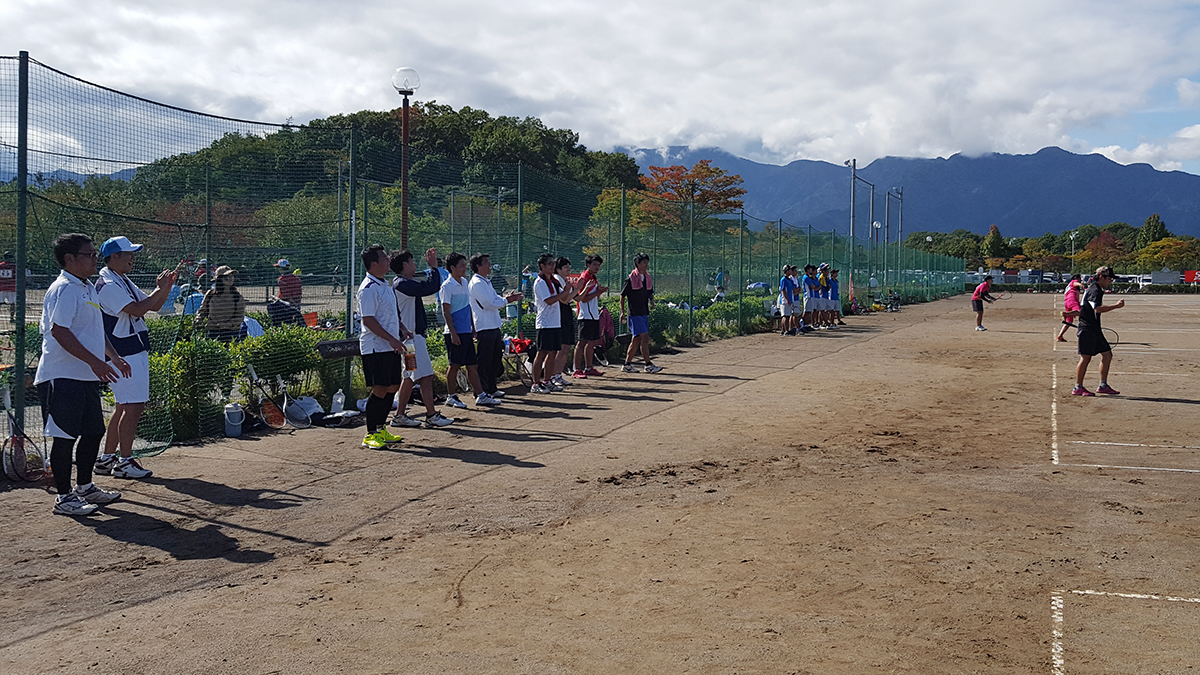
x: 290, y: 287
x: 979, y: 297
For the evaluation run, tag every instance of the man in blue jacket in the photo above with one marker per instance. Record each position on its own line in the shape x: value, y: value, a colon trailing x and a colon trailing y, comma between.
x: 409, y: 293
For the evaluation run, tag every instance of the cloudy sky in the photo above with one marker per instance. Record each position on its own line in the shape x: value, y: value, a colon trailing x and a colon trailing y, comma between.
x: 774, y: 81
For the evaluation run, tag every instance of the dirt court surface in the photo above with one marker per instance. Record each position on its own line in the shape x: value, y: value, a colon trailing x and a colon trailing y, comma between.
x: 905, y: 495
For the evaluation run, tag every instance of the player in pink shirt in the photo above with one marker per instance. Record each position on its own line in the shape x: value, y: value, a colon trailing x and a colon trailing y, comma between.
x: 979, y: 297
x: 1070, y: 305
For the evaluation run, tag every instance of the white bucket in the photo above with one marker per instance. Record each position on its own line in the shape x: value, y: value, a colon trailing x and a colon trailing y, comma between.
x: 234, y: 416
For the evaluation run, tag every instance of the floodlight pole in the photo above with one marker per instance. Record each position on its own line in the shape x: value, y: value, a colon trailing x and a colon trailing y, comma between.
x: 405, y: 81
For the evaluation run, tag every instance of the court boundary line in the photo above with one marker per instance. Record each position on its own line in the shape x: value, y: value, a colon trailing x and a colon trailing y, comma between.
x: 1057, y: 660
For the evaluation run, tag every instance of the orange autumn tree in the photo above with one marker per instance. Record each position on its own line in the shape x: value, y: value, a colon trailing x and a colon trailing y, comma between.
x: 672, y: 190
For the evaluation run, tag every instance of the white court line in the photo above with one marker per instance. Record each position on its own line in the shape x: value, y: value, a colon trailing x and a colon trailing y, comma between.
x: 1057, y: 662
x: 1132, y: 468
x: 1137, y: 445
x: 1157, y: 374
x: 1054, y: 413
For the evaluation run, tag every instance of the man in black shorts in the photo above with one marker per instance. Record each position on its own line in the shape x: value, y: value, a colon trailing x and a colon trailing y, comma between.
x: 1091, y: 337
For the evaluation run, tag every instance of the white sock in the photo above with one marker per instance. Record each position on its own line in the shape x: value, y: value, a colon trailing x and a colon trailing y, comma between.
x: 83, y: 488
x: 1103, y: 383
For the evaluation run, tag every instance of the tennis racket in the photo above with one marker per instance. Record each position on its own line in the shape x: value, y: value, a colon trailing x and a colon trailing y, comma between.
x: 1111, y: 335
x: 24, y: 458
x: 271, y: 414
x: 1004, y: 295
x: 293, y: 412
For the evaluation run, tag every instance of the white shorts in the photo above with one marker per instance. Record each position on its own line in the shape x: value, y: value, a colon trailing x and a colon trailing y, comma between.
x: 786, y: 310
x: 812, y: 305
x: 424, y: 365
x: 829, y: 305
x: 136, y: 387
x: 8, y: 297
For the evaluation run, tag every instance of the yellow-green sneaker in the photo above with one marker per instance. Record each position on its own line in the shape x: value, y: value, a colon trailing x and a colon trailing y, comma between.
x: 387, y: 436
x: 374, y: 441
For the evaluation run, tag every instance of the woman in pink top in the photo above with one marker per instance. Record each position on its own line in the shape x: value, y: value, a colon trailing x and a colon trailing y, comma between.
x: 1070, y: 305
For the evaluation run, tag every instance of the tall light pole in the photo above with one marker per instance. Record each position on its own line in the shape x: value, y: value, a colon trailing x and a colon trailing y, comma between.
x: 499, y: 195
x: 875, y: 226
x: 1073, y: 235
x: 406, y: 81
x: 898, y: 193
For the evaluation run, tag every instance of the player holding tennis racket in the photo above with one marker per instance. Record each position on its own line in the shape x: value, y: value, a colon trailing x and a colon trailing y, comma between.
x: 70, y: 372
x: 1091, y: 336
x: 982, y: 294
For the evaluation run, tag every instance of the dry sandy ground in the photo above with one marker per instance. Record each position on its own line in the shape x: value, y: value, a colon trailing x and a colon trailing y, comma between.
x: 883, y: 498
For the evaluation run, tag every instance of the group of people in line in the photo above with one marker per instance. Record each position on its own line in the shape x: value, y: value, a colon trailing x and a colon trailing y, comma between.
x: 393, y: 325
x: 1084, y: 304
x: 811, y: 302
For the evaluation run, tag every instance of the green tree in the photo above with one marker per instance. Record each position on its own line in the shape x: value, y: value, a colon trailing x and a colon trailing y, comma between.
x: 1153, y: 230
x: 994, y: 245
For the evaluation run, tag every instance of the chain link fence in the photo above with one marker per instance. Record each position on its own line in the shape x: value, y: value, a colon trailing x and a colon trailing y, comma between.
x: 289, y: 206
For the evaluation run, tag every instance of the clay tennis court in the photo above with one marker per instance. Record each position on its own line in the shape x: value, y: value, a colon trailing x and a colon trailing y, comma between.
x: 903, y: 495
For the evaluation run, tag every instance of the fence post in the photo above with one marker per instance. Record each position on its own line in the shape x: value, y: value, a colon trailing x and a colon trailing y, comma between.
x: 691, y: 267
x: 351, y: 277
x: 623, y: 231
x: 452, y: 220
x: 18, y: 375
x: 741, y: 271
x: 520, y: 233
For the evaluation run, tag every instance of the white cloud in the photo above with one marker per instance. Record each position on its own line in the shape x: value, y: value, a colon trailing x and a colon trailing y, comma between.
x: 1169, y: 155
x: 772, y: 80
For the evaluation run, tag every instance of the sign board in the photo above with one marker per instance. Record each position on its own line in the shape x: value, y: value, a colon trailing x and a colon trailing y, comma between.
x: 1191, y: 276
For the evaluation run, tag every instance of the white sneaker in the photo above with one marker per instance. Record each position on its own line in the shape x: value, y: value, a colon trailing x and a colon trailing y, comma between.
x: 553, y: 386
x: 498, y: 394
x: 94, y: 494
x: 980, y: 328
x: 484, y: 399
x: 453, y: 402
x: 403, y: 420
x: 129, y: 468
x: 653, y: 369
x: 559, y: 380
x: 628, y: 368
x: 437, y: 420
x: 104, y: 464
x: 539, y: 389
x: 72, y: 504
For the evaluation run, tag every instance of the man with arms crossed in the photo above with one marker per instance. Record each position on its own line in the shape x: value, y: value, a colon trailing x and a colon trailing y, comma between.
x: 381, y: 343
x: 639, y: 291
x: 485, y: 310
x: 460, y: 333
x: 124, y: 305
x: 69, y: 375
x: 588, y: 299
x: 409, y: 292
x: 1091, y: 336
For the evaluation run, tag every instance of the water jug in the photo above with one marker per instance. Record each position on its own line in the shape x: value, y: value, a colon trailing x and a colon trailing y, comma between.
x: 234, y: 416
x: 339, y: 402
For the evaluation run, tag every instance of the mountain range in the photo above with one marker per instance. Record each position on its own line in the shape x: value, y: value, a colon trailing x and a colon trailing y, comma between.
x: 1052, y: 190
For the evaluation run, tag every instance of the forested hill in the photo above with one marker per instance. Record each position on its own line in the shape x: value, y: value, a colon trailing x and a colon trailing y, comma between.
x: 1025, y: 195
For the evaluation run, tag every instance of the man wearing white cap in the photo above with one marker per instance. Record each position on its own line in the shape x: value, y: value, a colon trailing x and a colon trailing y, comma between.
x: 290, y: 287
x: 124, y: 305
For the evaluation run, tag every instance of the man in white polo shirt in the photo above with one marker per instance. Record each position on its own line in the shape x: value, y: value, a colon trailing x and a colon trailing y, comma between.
x: 381, y: 345
x: 485, y: 308
x: 124, y: 305
x: 69, y: 375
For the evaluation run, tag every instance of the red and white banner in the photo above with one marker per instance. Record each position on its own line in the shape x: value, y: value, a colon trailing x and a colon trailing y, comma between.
x: 1191, y: 276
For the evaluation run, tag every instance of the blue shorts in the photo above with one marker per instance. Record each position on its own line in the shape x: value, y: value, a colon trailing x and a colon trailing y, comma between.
x: 639, y: 325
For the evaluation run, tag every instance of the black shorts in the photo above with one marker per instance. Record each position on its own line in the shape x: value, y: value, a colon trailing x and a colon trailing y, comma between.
x: 977, y: 305
x: 462, y: 354
x: 1092, y: 343
x: 549, y: 339
x: 383, y: 369
x: 566, y: 334
x: 74, y: 406
x: 589, y: 330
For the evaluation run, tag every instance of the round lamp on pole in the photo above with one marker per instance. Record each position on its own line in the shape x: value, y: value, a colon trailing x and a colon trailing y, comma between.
x: 405, y: 81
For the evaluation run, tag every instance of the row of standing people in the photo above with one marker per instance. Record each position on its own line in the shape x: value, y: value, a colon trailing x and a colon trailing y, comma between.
x: 811, y: 302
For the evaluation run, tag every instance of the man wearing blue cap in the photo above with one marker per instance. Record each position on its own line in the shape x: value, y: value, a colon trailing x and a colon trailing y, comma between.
x: 124, y: 305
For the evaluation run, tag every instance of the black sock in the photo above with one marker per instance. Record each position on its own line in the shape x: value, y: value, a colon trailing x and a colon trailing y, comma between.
x: 376, y: 413
x: 85, y: 457
x: 387, y: 405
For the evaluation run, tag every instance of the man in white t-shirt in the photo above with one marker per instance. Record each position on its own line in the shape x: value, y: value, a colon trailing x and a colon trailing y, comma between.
x: 124, y: 305
x: 409, y: 294
x: 381, y: 344
x: 486, y: 304
x: 459, y: 333
x: 69, y: 374
x: 547, y: 294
